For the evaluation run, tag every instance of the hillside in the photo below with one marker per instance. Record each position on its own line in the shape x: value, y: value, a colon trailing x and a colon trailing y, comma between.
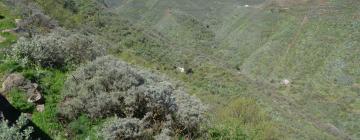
x: 311, y: 43
x: 266, y: 69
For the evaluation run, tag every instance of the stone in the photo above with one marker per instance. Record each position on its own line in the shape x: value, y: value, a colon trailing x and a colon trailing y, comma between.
x: 286, y: 82
x: 40, y: 108
x: 180, y: 69
x: 35, y: 97
x: 11, y: 81
x: 17, y: 21
x: 8, y: 31
x: 18, y: 81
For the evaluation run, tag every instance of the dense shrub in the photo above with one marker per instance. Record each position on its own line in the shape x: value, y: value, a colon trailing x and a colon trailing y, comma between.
x: 108, y: 87
x: 123, y: 129
x: 17, y: 131
x: 57, y: 49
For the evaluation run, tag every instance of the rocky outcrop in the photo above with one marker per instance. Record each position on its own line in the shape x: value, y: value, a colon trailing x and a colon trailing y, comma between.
x: 11, y: 81
x: 31, y: 89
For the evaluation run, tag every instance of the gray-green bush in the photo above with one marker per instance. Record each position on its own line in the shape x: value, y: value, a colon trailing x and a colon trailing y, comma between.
x: 123, y: 128
x: 109, y: 87
x: 17, y: 131
x: 57, y: 49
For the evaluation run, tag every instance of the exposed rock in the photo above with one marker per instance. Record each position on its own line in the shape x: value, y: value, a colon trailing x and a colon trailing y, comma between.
x: 17, y: 21
x: 8, y: 31
x: 285, y: 82
x: 11, y: 81
x: 35, y: 97
x: 40, y: 108
x: 180, y: 69
x: 18, y: 81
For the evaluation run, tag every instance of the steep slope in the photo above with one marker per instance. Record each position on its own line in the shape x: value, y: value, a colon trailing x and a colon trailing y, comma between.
x: 311, y: 43
x: 245, y: 49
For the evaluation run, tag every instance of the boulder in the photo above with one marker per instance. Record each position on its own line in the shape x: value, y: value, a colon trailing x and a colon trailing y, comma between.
x: 40, y: 108
x: 32, y: 91
x: 11, y: 81
x: 35, y: 97
x: 285, y: 82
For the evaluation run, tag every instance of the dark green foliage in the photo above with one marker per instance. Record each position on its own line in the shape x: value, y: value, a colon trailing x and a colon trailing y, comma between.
x: 81, y: 128
x: 59, y: 49
x: 71, y: 5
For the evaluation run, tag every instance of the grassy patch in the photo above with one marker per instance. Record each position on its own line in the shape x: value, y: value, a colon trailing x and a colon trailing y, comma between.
x: 51, y: 83
x: 6, y: 22
x: 18, y: 99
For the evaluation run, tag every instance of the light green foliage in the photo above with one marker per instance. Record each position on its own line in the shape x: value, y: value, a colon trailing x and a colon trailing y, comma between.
x: 243, y: 119
x: 108, y: 87
x: 51, y: 83
x: 243, y: 51
x: 17, y: 131
x: 6, y: 22
x: 59, y: 49
x: 18, y: 99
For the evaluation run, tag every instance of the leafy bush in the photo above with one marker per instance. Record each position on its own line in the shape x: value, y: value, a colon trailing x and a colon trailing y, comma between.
x: 57, y: 49
x: 16, y: 132
x: 108, y: 87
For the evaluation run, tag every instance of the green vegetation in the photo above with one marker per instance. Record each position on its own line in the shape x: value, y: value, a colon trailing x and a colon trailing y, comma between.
x: 18, y: 99
x: 236, y: 58
x: 6, y: 22
x: 59, y: 49
x: 51, y: 83
x: 107, y: 87
x: 19, y: 130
